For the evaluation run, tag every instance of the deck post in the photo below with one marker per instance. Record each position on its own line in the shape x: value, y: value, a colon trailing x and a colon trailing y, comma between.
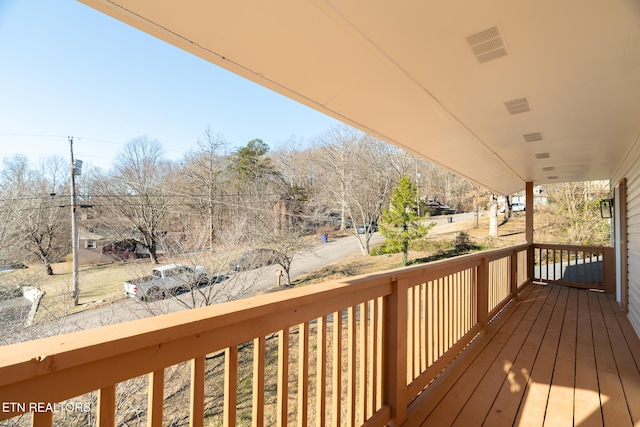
x: 609, y: 270
x: 514, y: 275
x: 529, y: 228
x: 482, y: 288
x: 395, y: 351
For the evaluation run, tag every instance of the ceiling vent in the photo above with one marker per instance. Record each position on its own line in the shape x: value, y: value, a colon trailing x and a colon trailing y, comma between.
x: 532, y: 137
x: 549, y: 169
x: 542, y: 156
x: 552, y: 177
x: 487, y: 44
x: 518, y: 105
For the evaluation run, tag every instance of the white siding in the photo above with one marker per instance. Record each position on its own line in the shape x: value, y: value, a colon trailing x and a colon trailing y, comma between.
x: 630, y: 168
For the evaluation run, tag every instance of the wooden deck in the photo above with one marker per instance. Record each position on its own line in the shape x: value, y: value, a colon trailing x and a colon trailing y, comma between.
x: 561, y: 357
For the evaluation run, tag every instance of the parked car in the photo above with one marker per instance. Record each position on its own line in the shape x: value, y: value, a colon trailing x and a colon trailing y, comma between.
x: 515, y: 207
x: 436, y: 208
x: 166, y: 280
x: 370, y: 227
x: 254, y: 258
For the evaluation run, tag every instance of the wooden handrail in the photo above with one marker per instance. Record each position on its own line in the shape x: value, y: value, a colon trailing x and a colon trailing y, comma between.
x: 446, y: 300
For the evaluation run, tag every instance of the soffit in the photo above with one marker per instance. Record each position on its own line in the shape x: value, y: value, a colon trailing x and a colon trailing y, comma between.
x: 406, y: 73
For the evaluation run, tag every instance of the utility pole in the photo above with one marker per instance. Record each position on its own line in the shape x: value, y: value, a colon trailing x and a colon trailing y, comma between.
x: 74, y: 227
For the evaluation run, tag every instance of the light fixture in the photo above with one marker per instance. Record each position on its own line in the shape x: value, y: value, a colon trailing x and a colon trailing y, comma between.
x: 606, y: 208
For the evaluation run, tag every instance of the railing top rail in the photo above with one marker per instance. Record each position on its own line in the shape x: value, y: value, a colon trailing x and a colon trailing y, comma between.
x: 557, y: 246
x: 452, y: 263
x: 28, y: 359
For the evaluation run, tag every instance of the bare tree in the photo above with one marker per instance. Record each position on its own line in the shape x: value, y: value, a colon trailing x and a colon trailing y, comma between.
x: 286, y: 242
x: 350, y: 159
x: 575, y: 209
x: 203, y: 170
x: 334, y: 155
x: 38, y: 223
x: 369, y: 194
x: 136, y: 195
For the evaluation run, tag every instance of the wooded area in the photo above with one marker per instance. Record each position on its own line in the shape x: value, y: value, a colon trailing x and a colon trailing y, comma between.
x: 250, y: 195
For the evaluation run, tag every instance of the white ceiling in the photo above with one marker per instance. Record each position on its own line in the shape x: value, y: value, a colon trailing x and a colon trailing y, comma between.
x: 406, y: 73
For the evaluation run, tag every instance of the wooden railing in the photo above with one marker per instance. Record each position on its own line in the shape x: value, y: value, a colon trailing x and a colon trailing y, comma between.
x: 353, y: 352
x: 586, y: 267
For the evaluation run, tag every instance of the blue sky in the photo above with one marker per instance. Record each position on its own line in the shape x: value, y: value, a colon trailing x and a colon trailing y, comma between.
x: 68, y: 70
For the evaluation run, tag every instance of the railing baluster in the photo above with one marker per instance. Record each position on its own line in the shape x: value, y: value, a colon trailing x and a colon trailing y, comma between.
x: 259, y: 351
x: 554, y: 269
x: 513, y: 276
x: 416, y: 331
x: 455, y: 312
x: 562, y: 263
x: 352, y: 363
x: 492, y: 294
x: 303, y: 373
x: 441, y: 318
x: 42, y: 419
x: 429, y: 321
x: 107, y: 406
x: 546, y: 262
x: 155, y: 398
x: 466, y: 311
x: 372, y: 366
x: 411, y: 345
x: 447, y: 313
x: 362, y: 397
x: 196, y: 418
x: 336, y: 385
x: 423, y: 326
x: 283, y: 378
x: 230, y: 386
x: 374, y: 355
x: 321, y: 371
x: 380, y: 352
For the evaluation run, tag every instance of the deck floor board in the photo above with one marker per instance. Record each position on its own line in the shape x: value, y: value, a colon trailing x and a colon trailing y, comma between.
x: 563, y: 357
x: 447, y: 411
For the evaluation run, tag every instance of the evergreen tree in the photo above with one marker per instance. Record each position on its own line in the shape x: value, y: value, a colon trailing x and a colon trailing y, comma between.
x: 401, y: 223
x: 251, y: 162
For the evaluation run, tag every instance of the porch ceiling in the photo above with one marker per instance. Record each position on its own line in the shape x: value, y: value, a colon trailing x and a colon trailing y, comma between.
x: 406, y: 73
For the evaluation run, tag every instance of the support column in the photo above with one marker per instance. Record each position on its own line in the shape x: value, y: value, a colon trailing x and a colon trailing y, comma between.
x: 529, y: 228
x: 529, y: 212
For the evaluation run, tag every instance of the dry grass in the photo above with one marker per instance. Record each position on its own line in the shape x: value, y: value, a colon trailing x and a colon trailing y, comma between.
x: 509, y: 233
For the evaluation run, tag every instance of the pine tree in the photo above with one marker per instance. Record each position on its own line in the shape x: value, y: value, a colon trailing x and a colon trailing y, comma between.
x: 401, y: 223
